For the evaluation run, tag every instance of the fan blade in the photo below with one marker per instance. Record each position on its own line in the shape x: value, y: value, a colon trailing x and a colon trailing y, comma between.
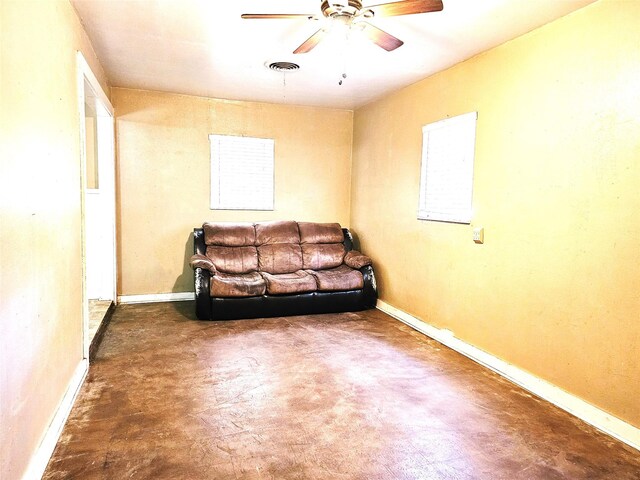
x: 381, y: 38
x: 405, y: 7
x: 275, y: 16
x: 310, y: 43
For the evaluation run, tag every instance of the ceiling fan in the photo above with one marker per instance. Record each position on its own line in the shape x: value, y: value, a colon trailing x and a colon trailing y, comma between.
x: 351, y: 13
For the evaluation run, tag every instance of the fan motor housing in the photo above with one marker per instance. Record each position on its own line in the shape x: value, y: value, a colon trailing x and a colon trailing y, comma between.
x: 337, y: 9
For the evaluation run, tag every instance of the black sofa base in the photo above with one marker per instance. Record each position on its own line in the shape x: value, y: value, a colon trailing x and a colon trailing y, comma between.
x: 285, y: 305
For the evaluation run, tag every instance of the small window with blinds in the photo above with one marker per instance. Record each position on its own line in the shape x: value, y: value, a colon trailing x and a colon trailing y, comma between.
x: 241, y: 173
x: 446, y: 177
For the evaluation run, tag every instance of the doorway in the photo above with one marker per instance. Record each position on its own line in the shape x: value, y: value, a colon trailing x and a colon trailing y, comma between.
x: 98, y: 206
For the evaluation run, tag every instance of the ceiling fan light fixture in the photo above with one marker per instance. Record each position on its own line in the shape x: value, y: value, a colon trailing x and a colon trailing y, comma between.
x: 340, y: 21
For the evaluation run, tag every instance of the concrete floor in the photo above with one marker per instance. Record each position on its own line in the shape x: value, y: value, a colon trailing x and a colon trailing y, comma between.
x: 97, y: 311
x: 346, y: 396
x: 100, y: 312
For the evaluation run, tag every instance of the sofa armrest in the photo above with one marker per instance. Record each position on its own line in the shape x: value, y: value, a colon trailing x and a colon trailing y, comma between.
x: 202, y: 261
x: 370, y: 289
x: 202, y: 280
x: 356, y: 259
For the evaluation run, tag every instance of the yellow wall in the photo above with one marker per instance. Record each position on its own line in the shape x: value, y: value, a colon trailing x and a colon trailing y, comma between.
x: 163, y: 175
x: 555, y: 288
x: 40, y: 249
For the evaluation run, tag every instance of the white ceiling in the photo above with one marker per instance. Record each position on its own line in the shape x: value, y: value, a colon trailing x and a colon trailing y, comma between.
x: 203, y: 47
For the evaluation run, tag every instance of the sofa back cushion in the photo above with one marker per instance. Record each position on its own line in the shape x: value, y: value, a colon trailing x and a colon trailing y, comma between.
x: 268, y: 233
x: 320, y: 256
x: 278, y: 247
x: 274, y: 247
x: 231, y: 246
x: 229, y: 234
x: 280, y: 258
x: 233, y: 259
x: 320, y: 232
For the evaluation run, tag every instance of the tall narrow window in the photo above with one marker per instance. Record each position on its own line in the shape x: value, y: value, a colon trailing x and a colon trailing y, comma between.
x: 446, y: 177
x: 241, y: 173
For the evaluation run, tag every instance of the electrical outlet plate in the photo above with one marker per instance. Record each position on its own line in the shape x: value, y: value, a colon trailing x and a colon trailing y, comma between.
x: 478, y: 235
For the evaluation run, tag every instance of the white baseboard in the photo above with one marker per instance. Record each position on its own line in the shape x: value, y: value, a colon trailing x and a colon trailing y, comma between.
x: 157, y: 297
x: 41, y: 457
x: 594, y: 416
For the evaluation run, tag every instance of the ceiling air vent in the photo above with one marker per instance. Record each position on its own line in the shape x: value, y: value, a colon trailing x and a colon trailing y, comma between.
x: 284, y: 66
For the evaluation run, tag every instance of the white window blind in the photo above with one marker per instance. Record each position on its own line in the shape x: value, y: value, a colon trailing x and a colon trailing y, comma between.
x: 241, y: 173
x: 446, y: 177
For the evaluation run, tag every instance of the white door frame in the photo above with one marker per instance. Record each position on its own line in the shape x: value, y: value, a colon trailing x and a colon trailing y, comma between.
x: 84, y: 74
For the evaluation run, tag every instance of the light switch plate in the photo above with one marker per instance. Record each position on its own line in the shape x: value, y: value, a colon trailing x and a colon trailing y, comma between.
x: 478, y: 235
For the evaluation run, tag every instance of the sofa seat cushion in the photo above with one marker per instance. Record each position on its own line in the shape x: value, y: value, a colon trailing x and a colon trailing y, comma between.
x: 322, y: 256
x: 339, y: 278
x: 234, y: 259
x: 296, y: 282
x: 242, y: 285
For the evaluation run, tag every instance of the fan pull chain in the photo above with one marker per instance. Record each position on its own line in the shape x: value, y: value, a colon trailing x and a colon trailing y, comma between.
x: 284, y: 87
x: 344, y: 56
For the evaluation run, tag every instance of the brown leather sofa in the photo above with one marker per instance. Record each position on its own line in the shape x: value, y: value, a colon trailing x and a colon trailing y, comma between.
x: 250, y: 270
